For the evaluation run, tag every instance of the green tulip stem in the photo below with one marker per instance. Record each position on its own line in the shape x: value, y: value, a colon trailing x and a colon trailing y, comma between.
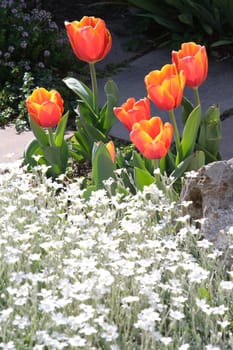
x: 94, y: 87
x: 156, y: 164
x: 196, y: 96
x: 51, y: 138
x: 175, y: 129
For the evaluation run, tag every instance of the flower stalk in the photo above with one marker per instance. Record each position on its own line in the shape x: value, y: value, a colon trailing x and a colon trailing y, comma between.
x: 94, y: 87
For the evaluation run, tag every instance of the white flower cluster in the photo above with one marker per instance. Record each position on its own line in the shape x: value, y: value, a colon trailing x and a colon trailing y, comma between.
x: 111, y: 272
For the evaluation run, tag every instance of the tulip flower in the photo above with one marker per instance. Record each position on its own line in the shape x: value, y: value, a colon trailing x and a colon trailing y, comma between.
x: 111, y: 149
x: 45, y: 107
x: 165, y: 87
x: 133, y: 111
x: 152, y: 138
x: 192, y: 60
x: 89, y: 38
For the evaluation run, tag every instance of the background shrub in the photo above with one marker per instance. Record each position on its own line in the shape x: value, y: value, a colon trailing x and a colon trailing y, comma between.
x: 209, y: 22
x: 34, y: 51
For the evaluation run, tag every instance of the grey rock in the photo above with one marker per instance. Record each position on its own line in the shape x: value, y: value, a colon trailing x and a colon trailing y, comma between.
x: 211, y: 196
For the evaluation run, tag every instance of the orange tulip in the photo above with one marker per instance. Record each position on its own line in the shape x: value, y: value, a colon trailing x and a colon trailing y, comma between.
x: 152, y: 138
x: 133, y: 111
x: 111, y: 149
x: 45, y: 107
x: 165, y: 87
x: 89, y: 38
x: 193, y: 60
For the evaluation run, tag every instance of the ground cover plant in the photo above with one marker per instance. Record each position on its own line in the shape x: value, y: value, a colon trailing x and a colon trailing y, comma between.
x: 112, y: 272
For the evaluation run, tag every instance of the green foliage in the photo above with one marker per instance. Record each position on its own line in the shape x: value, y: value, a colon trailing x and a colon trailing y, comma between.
x: 49, y: 149
x: 33, y: 52
x: 92, y: 125
x: 206, y: 21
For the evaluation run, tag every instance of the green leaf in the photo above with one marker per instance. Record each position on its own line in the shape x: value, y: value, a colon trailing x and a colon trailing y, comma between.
x: 137, y: 161
x: 39, y: 133
x: 204, y: 293
x: 186, y: 18
x: 80, y: 144
x: 83, y: 91
x: 102, y: 165
x: 93, y: 133
x: 189, y: 136
x: 181, y: 167
x: 142, y: 178
x: 31, y: 150
x: 60, y: 130
x: 88, y: 192
x: 222, y: 42
x: 112, y: 93
x: 64, y: 155
x: 186, y: 110
x: 211, y: 131
x: 197, y: 161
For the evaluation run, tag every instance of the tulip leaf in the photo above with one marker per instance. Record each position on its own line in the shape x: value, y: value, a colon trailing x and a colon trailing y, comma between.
x: 186, y: 110
x: 92, y: 132
x: 190, y: 132
x: 210, y: 132
x: 83, y: 91
x: 142, y: 178
x: 60, y: 130
x: 112, y: 93
x: 102, y: 165
x: 39, y: 133
x: 181, y: 168
x: 32, y: 150
x: 197, y: 161
x: 137, y: 161
x: 81, y: 146
x: 88, y: 191
x: 53, y: 156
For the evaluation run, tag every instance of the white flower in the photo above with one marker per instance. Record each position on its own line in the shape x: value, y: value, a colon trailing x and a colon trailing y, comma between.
x: 8, y: 346
x: 184, y: 347
x: 146, y: 319
x: 223, y: 324
x: 176, y: 315
x: 77, y: 341
x: 219, y: 310
x: 130, y: 299
x: 198, y: 275
x: 227, y: 285
x: 201, y: 303
x: 166, y: 340
x: 5, y: 314
x: 212, y: 347
x: 110, y: 332
x: 204, y: 243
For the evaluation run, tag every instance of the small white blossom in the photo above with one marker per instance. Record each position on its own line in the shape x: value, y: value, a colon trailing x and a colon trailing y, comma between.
x: 184, y: 347
x: 198, y: 275
x: 226, y: 285
x: 176, y: 315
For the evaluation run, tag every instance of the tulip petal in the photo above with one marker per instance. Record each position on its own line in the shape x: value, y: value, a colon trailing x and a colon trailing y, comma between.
x: 133, y: 111
x: 152, y: 138
x: 45, y: 107
x: 89, y: 38
x: 165, y: 87
x: 193, y: 61
x: 49, y: 115
x: 111, y: 149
